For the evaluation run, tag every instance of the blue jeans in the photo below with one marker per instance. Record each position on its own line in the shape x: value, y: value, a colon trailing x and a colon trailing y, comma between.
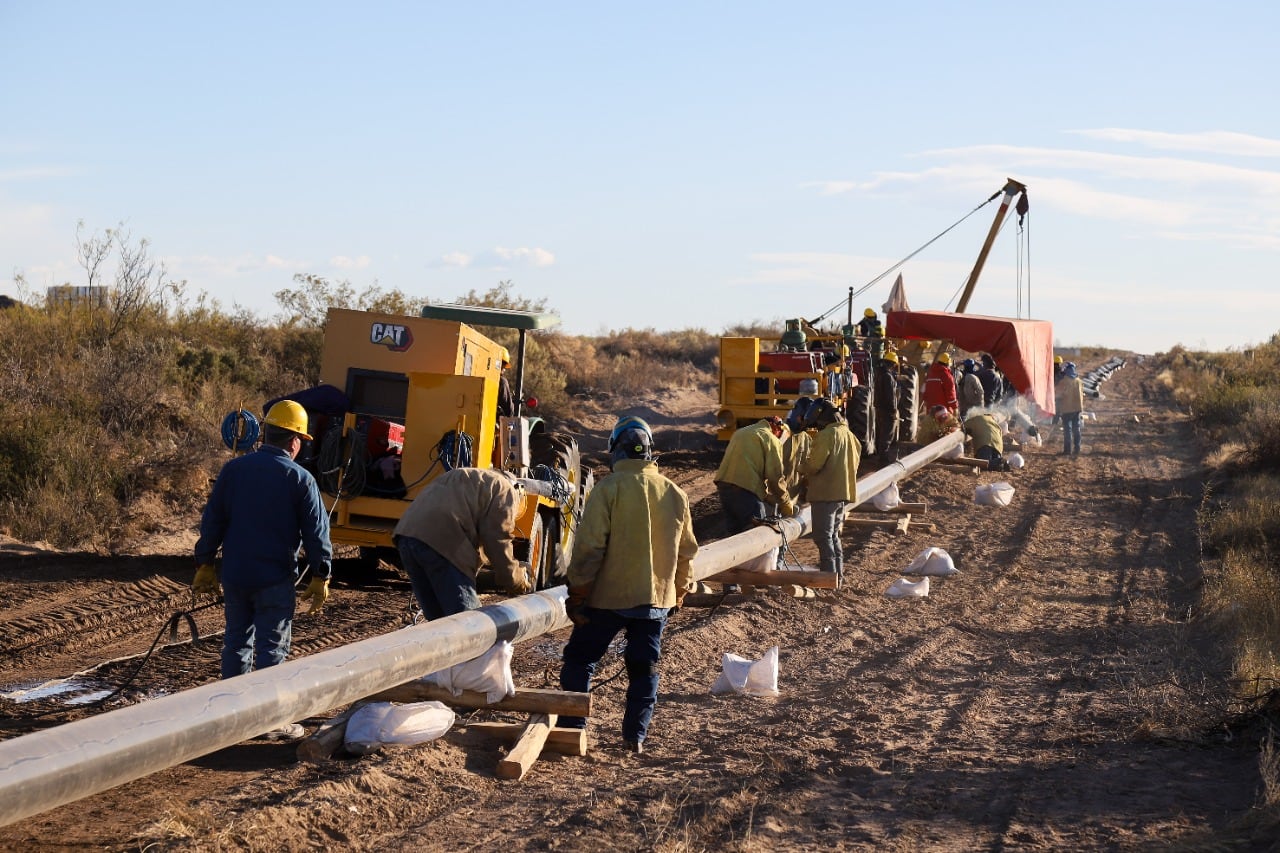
x: 741, y: 508
x: 442, y: 589
x: 259, y: 627
x: 828, y: 519
x: 588, y: 643
x: 1071, y: 432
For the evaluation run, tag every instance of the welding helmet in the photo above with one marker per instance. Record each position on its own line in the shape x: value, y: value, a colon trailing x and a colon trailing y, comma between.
x: 631, y: 439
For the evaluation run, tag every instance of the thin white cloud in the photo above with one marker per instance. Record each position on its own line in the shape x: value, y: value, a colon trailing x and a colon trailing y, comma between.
x: 499, y: 258
x: 34, y: 173
x: 455, y: 259
x: 1211, y: 142
x: 342, y: 262
x: 524, y: 257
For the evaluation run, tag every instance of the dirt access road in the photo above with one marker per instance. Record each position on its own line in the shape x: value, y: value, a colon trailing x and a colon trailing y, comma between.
x: 1046, y: 697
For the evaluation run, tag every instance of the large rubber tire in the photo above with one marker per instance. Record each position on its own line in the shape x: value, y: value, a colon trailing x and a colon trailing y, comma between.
x: 534, y: 551
x: 862, y: 418
x: 559, y: 452
x: 908, y: 405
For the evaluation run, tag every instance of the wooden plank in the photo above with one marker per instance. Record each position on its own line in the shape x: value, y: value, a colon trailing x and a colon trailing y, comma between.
x: 961, y: 461
x: 817, y: 580
x: 533, y: 699
x: 905, y: 507
x: 528, y: 747
x: 559, y: 740
x: 884, y: 523
x: 327, y: 739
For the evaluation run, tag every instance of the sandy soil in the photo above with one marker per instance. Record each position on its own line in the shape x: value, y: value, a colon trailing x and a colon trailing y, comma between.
x: 1049, y: 696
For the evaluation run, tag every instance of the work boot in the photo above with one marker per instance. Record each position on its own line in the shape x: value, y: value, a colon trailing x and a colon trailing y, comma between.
x: 636, y: 746
x: 292, y: 731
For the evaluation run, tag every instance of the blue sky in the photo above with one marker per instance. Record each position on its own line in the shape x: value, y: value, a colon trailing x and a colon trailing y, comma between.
x: 668, y: 166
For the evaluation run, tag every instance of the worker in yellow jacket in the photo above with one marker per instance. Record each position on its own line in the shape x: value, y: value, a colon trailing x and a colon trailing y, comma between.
x: 832, y: 471
x: 631, y: 565
x: 752, y: 477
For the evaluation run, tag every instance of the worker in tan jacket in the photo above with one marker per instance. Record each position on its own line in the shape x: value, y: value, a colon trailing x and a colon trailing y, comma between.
x: 1069, y: 403
x: 441, y: 535
x: 987, y: 432
x: 632, y: 563
x: 751, y: 478
x: 832, y: 471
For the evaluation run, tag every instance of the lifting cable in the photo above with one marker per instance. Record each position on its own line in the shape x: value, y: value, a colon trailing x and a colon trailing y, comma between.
x: 171, y: 627
x: 896, y: 266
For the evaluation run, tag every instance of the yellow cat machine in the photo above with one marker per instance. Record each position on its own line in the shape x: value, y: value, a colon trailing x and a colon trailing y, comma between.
x: 403, y: 399
x: 761, y: 377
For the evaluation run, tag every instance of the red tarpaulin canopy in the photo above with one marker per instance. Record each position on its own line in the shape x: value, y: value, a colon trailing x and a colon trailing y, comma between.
x: 1023, y: 349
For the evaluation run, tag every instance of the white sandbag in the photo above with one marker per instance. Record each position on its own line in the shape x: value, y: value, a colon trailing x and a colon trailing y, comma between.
x: 379, y: 723
x: 748, y: 677
x: 903, y: 588
x: 1016, y: 460
x: 766, y: 562
x: 490, y: 674
x: 993, y: 494
x: 932, y: 561
x: 887, y: 499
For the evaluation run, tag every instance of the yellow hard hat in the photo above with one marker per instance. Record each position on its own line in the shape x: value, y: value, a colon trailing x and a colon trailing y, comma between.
x: 869, y: 313
x: 1057, y: 359
x: 945, y: 358
x: 891, y: 356
x: 506, y: 356
x: 289, y: 415
x: 844, y: 350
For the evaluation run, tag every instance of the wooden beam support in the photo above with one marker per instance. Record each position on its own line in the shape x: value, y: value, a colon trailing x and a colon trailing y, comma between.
x: 817, y: 580
x: 533, y: 699
x: 528, y: 747
x: 328, y: 739
x: 962, y: 461
x: 559, y: 740
x: 905, y: 507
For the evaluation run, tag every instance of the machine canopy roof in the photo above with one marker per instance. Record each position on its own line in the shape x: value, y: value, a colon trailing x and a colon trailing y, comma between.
x: 1023, y: 349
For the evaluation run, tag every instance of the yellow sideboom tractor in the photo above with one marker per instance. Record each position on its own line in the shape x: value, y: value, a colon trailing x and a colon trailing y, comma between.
x: 403, y: 399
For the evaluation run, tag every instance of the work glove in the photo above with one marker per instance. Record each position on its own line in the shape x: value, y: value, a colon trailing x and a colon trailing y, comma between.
x: 786, y: 508
x: 576, y: 604
x: 206, y: 581
x: 522, y: 584
x: 318, y: 592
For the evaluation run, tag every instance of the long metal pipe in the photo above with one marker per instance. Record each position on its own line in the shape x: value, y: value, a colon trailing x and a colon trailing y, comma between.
x: 50, y: 768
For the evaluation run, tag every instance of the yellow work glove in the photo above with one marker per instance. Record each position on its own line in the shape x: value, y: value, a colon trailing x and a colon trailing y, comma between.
x: 522, y: 584
x: 206, y: 581
x: 318, y: 592
x: 576, y: 604
x: 786, y: 508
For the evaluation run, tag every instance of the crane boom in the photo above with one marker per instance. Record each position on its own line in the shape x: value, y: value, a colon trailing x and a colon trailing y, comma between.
x: 1011, y: 189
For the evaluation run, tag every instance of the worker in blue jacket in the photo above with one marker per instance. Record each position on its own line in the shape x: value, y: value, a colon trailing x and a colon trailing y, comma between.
x: 262, y: 508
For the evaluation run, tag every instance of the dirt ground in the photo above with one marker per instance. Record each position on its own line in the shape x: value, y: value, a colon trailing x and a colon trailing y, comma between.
x: 1052, y: 695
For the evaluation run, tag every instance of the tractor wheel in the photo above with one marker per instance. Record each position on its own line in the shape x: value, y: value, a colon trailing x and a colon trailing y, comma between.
x: 908, y: 405
x: 534, y: 551
x: 862, y: 418
x: 558, y: 454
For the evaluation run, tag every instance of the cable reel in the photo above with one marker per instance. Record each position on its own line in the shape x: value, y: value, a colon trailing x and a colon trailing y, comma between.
x: 240, y: 431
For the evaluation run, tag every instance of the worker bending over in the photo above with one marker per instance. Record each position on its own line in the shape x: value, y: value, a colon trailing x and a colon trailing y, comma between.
x: 751, y: 476
x: 440, y: 536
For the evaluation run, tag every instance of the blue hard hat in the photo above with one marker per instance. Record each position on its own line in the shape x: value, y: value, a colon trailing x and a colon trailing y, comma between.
x: 629, y: 422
